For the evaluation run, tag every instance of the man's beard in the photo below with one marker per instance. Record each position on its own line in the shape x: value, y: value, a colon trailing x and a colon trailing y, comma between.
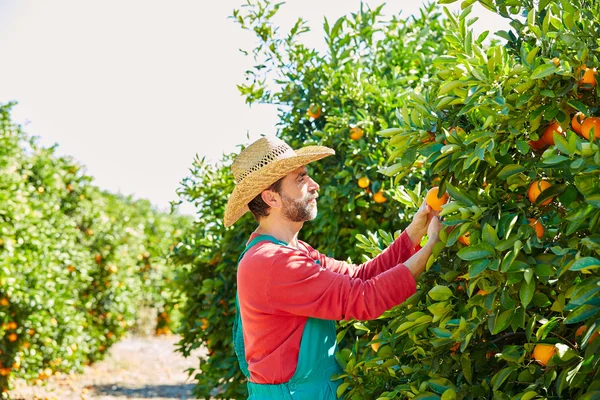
x: 299, y: 210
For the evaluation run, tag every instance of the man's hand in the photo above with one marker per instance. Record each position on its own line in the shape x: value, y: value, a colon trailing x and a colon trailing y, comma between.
x: 418, y: 227
x: 433, y: 231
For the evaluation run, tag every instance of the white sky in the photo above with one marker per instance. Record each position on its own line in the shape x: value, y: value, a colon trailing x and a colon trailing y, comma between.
x: 134, y: 89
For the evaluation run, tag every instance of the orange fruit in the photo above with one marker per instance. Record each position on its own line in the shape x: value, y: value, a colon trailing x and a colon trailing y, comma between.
x: 3, y: 302
x: 589, y: 77
x: 482, y: 292
x: 454, y: 348
x: 314, y: 111
x: 536, y: 188
x: 464, y: 239
x: 434, y: 201
x: 577, y: 121
x: 379, y: 197
x: 556, y: 61
x: 363, y: 182
x: 12, y: 337
x: 542, y: 353
x: 12, y: 325
x: 537, y: 144
x: 71, y: 268
x: 356, y: 133
x: 375, y: 346
x: 548, y: 135
x: 537, y: 225
x: 588, y: 124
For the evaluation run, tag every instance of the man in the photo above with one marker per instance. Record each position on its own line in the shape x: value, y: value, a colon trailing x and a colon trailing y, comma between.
x: 288, y: 293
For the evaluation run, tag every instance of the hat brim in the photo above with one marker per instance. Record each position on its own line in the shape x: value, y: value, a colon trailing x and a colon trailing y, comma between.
x: 256, y: 182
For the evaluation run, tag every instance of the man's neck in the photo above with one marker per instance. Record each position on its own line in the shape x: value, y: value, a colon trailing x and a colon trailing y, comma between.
x: 285, y: 231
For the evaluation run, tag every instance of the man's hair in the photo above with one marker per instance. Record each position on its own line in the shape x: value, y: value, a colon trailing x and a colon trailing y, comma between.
x: 258, y: 207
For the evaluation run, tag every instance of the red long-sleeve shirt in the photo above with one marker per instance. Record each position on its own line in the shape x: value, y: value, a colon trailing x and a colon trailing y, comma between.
x: 280, y: 287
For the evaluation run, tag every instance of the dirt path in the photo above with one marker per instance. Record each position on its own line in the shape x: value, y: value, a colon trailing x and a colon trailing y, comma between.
x: 135, y: 368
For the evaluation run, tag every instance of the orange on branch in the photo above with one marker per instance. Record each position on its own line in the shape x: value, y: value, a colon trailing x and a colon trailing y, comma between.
x: 356, y: 133
x: 363, y: 182
x: 537, y: 225
x: 379, y: 197
x: 542, y: 353
x: 434, y: 201
x: 589, y: 77
x: 536, y: 188
x: 314, y: 111
x: 465, y: 239
x: 556, y: 61
x: 537, y: 144
x: 577, y: 121
x: 548, y: 135
x: 589, y: 124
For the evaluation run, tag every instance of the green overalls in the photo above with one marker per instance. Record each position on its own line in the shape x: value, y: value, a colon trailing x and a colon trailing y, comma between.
x: 316, y: 360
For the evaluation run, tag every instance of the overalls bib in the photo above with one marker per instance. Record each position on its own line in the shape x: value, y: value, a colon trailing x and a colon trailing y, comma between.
x: 316, y: 360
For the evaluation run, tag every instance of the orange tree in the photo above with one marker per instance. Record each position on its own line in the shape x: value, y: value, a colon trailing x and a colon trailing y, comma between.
x: 512, y: 312
x: 339, y: 98
x: 70, y: 260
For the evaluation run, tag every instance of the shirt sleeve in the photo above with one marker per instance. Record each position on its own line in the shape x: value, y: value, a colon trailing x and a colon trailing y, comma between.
x: 299, y: 286
x: 398, y: 252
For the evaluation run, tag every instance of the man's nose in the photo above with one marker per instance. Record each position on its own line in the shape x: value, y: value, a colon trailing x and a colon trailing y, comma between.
x: 312, y: 184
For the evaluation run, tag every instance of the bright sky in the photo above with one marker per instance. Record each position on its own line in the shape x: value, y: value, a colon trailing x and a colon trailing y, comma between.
x: 135, y: 89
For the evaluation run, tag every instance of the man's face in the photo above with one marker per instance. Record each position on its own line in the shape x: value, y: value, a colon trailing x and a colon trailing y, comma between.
x: 299, y: 196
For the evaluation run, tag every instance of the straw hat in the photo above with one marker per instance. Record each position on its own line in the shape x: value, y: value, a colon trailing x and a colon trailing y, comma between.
x: 260, y: 165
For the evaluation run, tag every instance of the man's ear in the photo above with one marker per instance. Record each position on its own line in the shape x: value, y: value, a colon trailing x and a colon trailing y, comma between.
x: 271, y: 198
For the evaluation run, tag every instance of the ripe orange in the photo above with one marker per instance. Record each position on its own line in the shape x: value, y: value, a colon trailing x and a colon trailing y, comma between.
x: 589, y: 77
x: 482, y: 292
x: 542, y: 353
x: 375, y: 346
x: 465, y: 239
x: 536, y: 188
x: 588, y: 124
x: 3, y: 302
x: 537, y: 144
x: 379, y: 197
x: 356, y: 133
x: 556, y: 61
x: 432, y: 198
x: 537, y: 225
x: 548, y: 135
x: 71, y: 268
x: 577, y: 121
x: 12, y: 325
x: 314, y: 111
x: 12, y: 337
x: 363, y: 182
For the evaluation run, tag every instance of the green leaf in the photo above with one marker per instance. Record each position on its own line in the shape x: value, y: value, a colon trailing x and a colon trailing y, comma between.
x: 580, y: 314
x: 503, y: 321
x: 341, y: 389
x: 467, y: 369
x: 585, y: 263
x: 475, y: 252
x: 440, y: 293
x: 527, y: 291
x: 593, y: 200
x: 460, y: 195
x: 500, y: 377
x: 543, y: 71
x: 510, y: 170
